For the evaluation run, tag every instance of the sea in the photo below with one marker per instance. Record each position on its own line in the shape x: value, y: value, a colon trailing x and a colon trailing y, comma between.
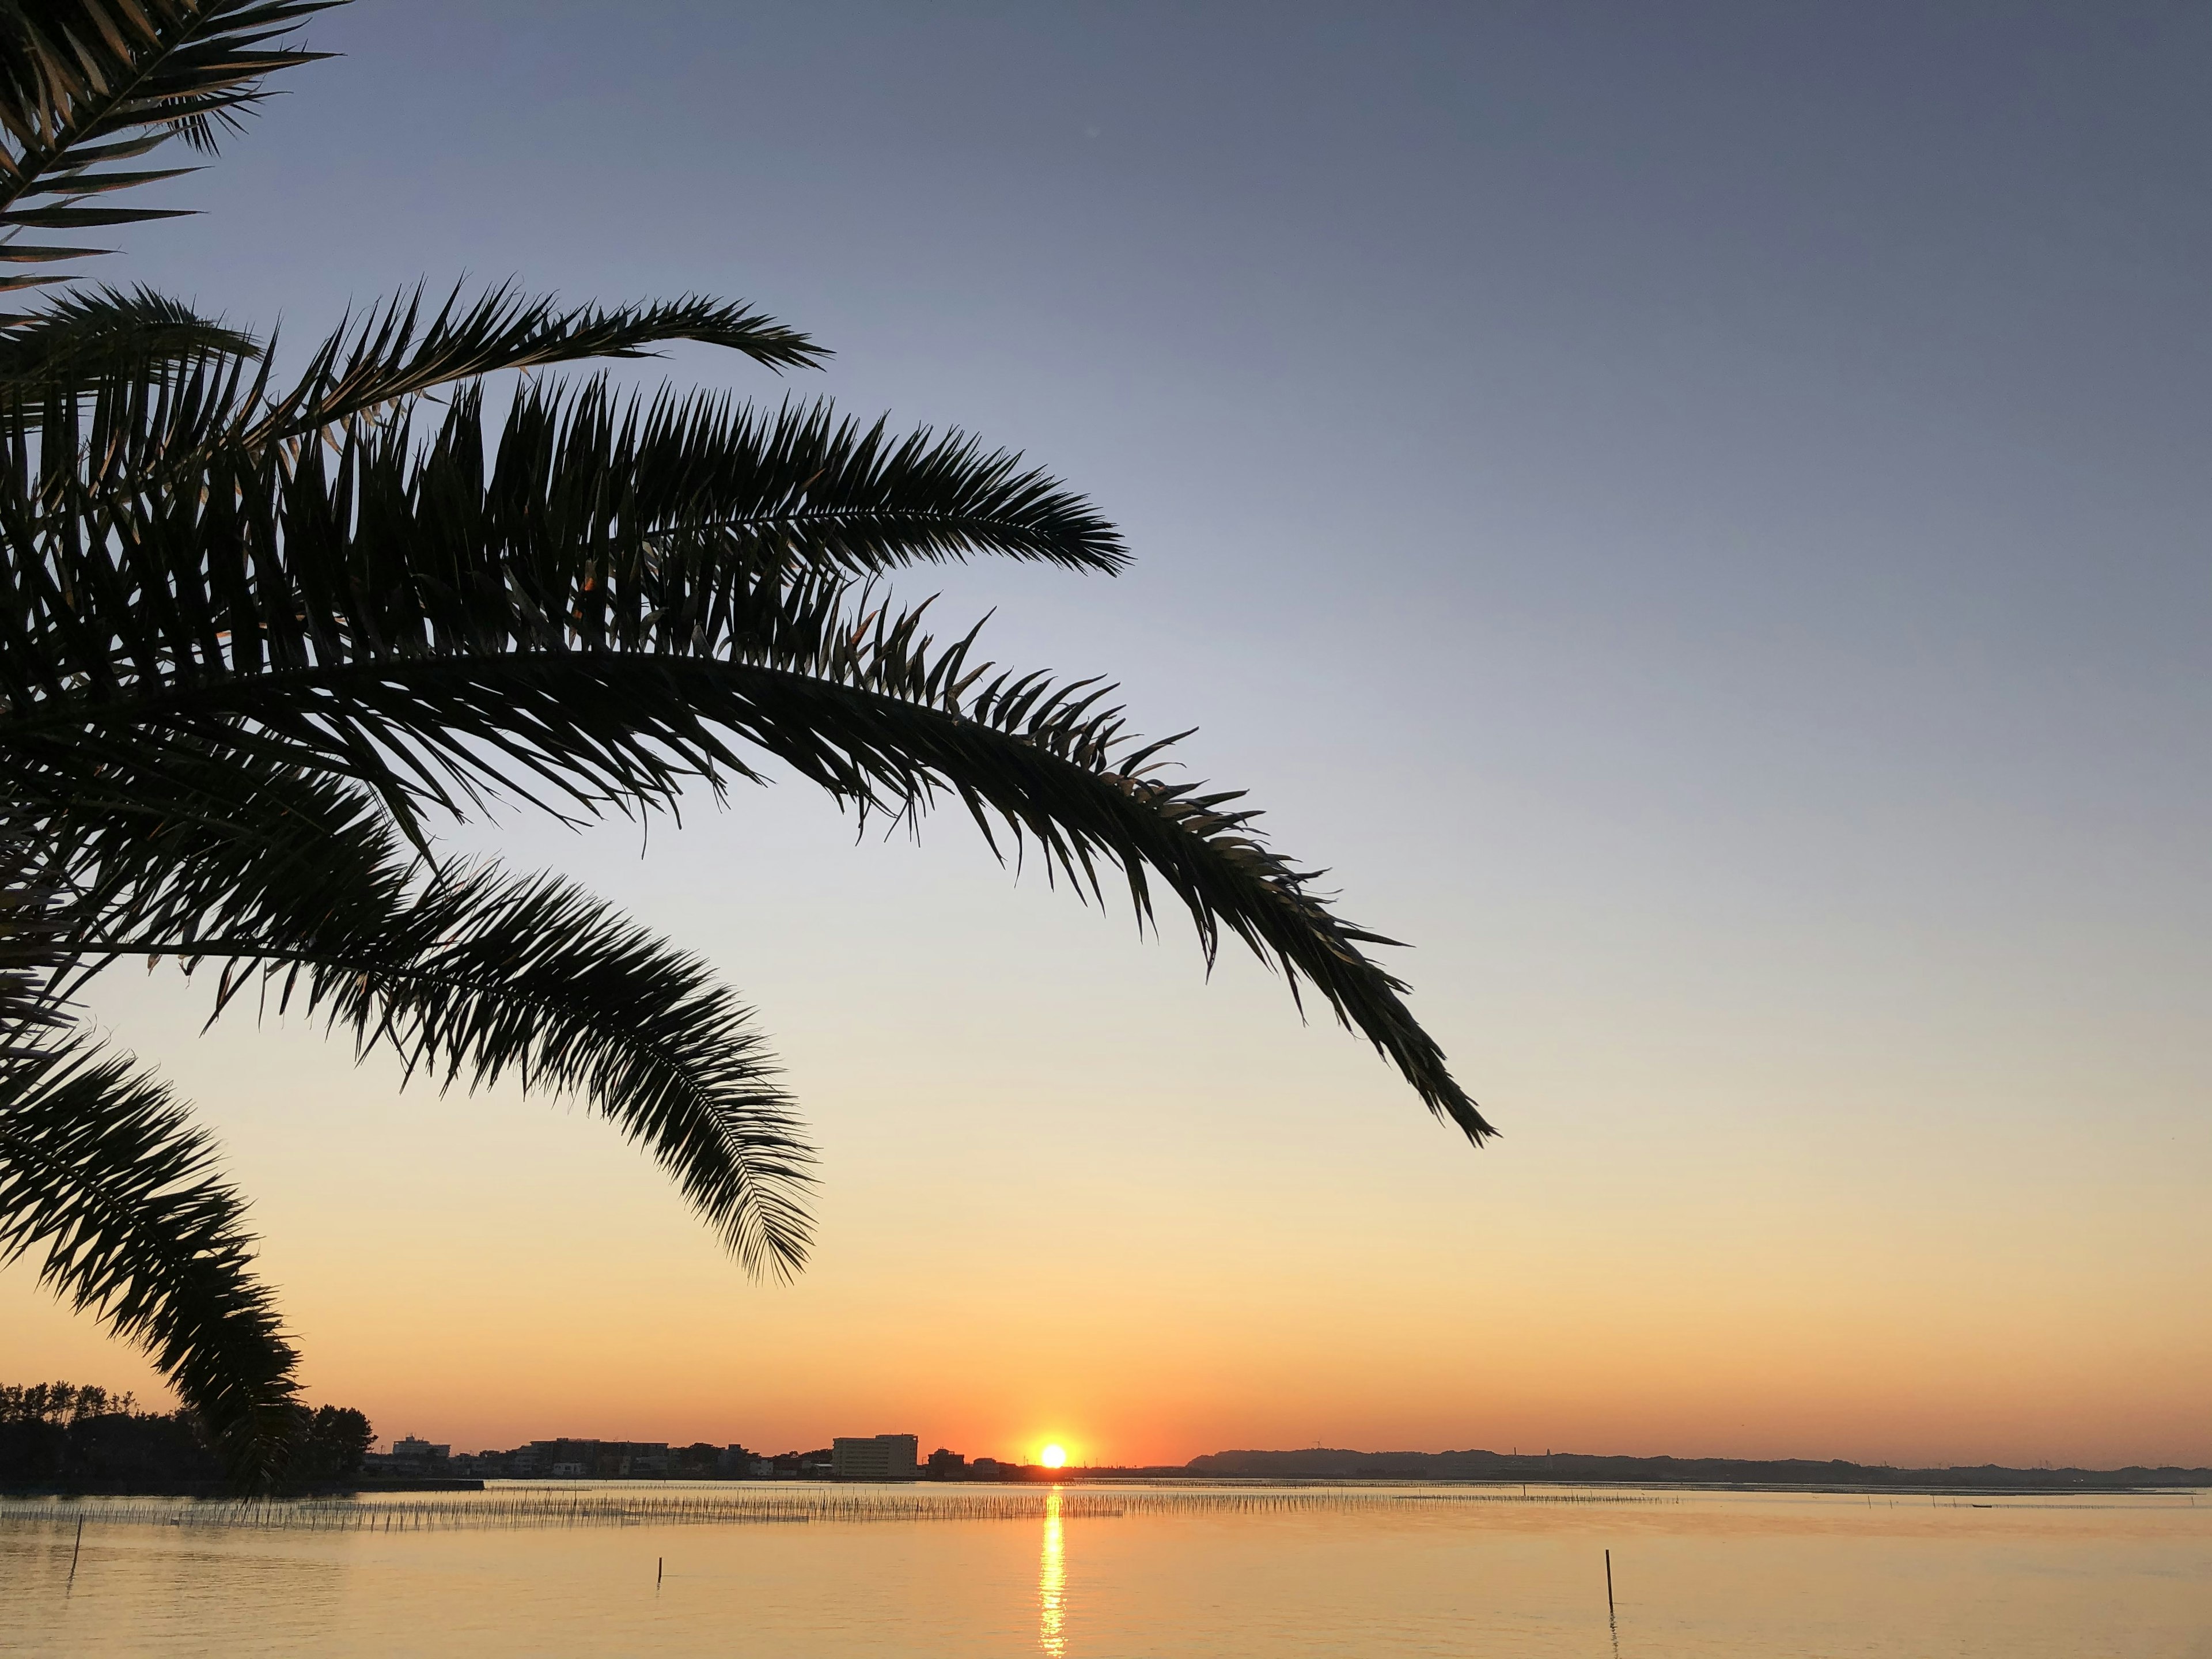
x: 794, y: 1571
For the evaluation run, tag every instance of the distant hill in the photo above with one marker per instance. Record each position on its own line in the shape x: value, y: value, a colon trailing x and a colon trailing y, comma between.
x: 1574, y: 1466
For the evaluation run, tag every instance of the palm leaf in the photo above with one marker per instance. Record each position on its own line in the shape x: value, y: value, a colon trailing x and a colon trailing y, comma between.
x: 33, y: 926
x: 85, y: 338
x: 606, y: 607
x: 85, y: 83
x: 395, y: 351
x: 469, y: 975
x: 150, y: 546
x: 101, y: 1170
x: 879, y: 715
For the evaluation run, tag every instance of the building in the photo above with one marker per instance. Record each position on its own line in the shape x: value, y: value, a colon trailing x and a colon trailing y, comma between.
x: 947, y: 1465
x: 876, y: 1457
x: 411, y: 1457
x: 799, y: 1466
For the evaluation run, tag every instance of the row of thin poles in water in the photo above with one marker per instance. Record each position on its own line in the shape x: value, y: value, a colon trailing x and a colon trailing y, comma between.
x: 601, y: 1508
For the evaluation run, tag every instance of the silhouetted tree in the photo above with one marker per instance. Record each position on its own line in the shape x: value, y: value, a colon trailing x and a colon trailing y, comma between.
x: 334, y: 1441
x: 86, y: 1439
x: 258, y: 632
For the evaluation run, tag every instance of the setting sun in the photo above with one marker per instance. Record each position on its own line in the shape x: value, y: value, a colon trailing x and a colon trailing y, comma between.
x: 1053, y: 1456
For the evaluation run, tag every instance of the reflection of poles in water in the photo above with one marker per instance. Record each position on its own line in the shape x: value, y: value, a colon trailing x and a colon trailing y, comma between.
x: 1052, y: 1581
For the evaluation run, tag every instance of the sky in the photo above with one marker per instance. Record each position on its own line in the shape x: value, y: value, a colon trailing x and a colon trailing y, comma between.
x: 1695, y: 516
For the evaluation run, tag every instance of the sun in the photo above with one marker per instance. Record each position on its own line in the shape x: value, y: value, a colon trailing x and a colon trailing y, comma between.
x: 1053, y: 1457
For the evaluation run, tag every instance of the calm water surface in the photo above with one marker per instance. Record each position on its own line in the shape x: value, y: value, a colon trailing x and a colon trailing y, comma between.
x: 1123, y: 1571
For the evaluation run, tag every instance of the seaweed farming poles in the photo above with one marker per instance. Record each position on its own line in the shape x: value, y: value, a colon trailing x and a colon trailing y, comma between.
x: 599, y: 1507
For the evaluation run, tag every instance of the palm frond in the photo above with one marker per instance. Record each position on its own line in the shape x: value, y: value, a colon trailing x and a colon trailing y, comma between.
x: 150, y: 550
x: 300, y: 887
x: 601, y: 609
x: 587, y: 486
x: 100, y: 335
x: 102, y: 1172
x: 33, y: 926
x: 398, y: 351
x: 85, y: 83
x: 868, y: 706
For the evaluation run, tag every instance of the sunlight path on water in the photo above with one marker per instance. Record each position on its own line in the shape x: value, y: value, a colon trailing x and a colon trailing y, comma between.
x: 1051, y: 1580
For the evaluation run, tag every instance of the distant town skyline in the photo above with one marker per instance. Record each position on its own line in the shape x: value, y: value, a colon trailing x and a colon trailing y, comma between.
x: 895, y: 1457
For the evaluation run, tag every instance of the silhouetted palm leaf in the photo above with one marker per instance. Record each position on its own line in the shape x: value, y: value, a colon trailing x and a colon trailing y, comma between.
x: 82, y: 339
x: 102, y: 1172
x: 620, y: 597
x: 85, y: 83
x: 469, y: 975
x: 395, y: 352
x: 384, y: 621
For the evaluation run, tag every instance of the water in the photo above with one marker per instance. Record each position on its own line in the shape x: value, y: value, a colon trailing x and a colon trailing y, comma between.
x: 1121, y: 1572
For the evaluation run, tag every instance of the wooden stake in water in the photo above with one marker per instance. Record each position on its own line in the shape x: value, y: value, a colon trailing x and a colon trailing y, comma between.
x: 1609, y: 1584
x: 73, y: 1550
x: 660, y: 1566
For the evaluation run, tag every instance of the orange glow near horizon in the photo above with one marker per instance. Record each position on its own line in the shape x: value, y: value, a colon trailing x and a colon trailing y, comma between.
x: 1930, y: 1294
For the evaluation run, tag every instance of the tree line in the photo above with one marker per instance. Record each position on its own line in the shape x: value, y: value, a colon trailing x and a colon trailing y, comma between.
x: 61, y: 1437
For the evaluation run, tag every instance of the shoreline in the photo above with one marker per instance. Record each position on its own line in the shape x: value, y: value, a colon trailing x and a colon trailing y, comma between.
x: 1223, y: 1483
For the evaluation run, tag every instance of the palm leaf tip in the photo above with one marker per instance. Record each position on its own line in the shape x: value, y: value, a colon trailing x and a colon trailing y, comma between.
x: 402, y: 348
x: 83, y: 338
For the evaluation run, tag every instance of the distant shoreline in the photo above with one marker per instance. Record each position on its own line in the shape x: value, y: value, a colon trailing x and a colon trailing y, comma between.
x: 1321, y: 1466
x: 1718, y: 1473
x: 2190, y: 1482
x: 2193, y: 1481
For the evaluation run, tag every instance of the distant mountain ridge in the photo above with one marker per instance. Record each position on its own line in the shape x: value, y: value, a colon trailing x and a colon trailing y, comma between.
x: 1331, y: 1464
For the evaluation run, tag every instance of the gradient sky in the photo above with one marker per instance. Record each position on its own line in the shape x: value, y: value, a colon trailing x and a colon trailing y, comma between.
x: 1697, y: 515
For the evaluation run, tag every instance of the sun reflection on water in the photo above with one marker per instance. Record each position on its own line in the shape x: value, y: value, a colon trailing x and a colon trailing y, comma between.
x: 1052, y: 1581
